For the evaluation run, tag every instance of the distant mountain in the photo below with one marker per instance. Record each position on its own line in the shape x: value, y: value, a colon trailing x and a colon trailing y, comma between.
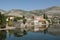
x: 53, y: 11
x: 54, y: 8
x: 18, y: 12
x: 2, y: 11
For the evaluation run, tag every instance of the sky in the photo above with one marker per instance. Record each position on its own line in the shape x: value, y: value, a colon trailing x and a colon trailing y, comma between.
x: 28, y: 4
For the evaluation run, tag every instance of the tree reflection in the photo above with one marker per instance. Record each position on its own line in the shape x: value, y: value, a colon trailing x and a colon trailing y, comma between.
x: 20, y: 33
x: 10, y: 32
x: 45, y: 31
x: 2, y: 34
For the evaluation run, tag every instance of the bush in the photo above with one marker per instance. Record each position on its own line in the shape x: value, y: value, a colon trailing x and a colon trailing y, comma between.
x: 2, y: 19
x: 10, y: 23
x: 18, y: 18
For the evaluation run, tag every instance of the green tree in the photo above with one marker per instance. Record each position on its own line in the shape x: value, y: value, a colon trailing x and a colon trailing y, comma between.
x: 45, y: 16
x: 23, y: 16
x: 17, y: 18
x: 24, y: 20
x: 10, y: 23
x: 2, y: 19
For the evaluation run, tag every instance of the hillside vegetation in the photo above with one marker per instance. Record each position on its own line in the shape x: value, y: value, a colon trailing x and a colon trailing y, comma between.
x: 53, y: 11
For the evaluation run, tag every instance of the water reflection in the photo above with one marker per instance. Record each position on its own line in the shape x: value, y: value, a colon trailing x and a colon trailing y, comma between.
x: 19, y: 33
x: 10, y: 32
x: 2, y: 35
x: 57, y: 33
x: 45, y: 31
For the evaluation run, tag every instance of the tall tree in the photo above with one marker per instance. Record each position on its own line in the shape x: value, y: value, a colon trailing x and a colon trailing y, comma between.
x: 2, y: 19
x: 45, y: 16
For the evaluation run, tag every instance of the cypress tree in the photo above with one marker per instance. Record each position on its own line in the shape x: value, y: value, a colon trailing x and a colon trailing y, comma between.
x: 45, y: 16
x: 2, y: 19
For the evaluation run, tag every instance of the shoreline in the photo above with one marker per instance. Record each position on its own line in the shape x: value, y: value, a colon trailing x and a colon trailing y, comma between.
x: 8, y: 28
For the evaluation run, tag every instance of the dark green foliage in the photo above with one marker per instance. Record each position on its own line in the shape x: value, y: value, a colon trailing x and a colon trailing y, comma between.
x: 23, y: 16
x: 17, y: 18
x: 32, y: 17
x: 2, y: 34
x: 10, y: 23
x: 2, y: 19
x: 45, y: 16
x: 24, y: 21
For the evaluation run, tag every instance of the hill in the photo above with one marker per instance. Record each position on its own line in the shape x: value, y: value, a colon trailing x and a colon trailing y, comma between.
x: 53, y: 11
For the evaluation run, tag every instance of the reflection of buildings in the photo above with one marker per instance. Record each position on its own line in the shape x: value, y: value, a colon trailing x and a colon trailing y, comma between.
x: 40, y: 23
x: 2, y: 34
x: 19, y: 33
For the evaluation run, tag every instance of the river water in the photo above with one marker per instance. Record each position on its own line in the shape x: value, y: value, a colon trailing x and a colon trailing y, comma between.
x: 17, y: 35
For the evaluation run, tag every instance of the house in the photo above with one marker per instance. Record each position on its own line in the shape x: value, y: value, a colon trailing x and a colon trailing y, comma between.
x: 40, y: 23
x: 56, y: 19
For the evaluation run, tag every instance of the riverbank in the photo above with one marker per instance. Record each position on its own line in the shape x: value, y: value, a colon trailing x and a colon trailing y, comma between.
x: 8, y: 28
